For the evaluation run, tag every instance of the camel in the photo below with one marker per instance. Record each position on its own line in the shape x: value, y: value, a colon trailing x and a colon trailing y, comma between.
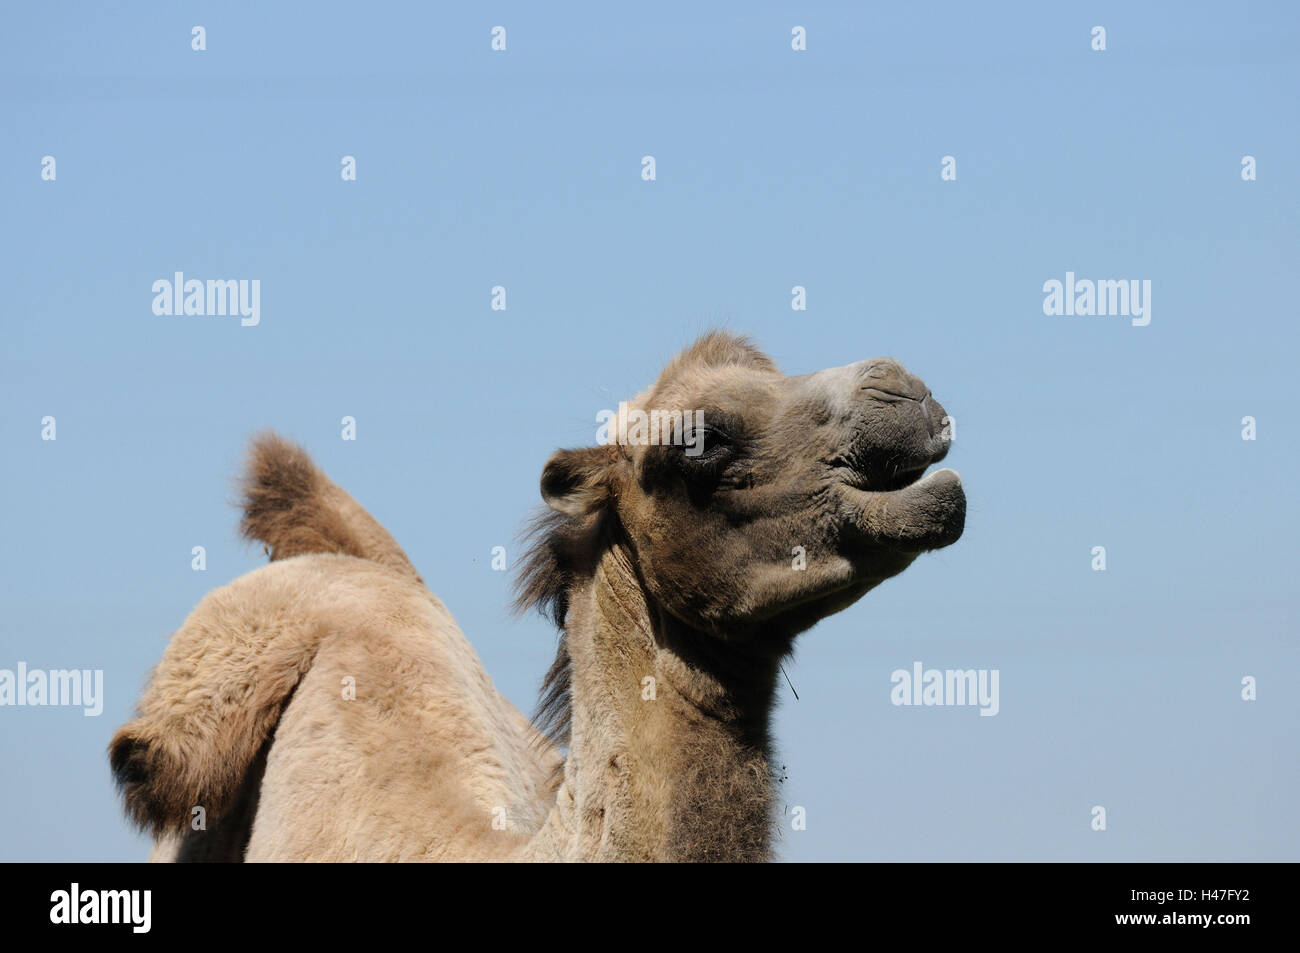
x: 326, y: 707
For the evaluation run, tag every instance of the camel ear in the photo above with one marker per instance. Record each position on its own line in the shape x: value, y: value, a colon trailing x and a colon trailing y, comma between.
x: 576, y: 482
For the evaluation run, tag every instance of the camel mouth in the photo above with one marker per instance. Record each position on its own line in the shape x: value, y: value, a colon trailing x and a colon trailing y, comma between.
x: 890, y: 468
x: 897, y: 478
x: 904, y: 478
x: 899, y: 481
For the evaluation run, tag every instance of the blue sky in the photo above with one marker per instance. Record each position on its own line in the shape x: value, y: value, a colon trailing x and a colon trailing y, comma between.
x: 774, y: 168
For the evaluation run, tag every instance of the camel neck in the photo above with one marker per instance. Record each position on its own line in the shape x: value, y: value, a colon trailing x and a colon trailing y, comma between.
x: 668, y: 755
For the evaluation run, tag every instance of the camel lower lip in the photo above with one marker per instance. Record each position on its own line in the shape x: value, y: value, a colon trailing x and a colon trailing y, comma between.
x: 928, y: 513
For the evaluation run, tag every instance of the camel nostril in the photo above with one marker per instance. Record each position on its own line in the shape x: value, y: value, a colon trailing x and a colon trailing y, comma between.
x: 892, y: 390
x: 936, y: 418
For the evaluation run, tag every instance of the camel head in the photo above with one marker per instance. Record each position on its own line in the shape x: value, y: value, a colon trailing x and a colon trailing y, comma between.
x: 752, y: 504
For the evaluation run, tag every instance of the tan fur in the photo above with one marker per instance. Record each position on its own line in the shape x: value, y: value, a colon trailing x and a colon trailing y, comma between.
x: 327, y: 707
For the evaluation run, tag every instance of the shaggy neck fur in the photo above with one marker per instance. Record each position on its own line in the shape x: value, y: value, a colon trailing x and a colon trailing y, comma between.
x: 670, y: 769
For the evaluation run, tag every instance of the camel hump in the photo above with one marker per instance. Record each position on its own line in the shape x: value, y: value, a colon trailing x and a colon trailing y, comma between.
x: 296, y: 510
x: 199, y: 735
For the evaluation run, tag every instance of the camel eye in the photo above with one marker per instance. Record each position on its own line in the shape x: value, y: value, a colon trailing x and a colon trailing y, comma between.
x: 706, y: 445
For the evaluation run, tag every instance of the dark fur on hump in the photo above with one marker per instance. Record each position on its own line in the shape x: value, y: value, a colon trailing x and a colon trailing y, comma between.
x: 295, y: 509
x: 559, y: 549
x: 282, y: 503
